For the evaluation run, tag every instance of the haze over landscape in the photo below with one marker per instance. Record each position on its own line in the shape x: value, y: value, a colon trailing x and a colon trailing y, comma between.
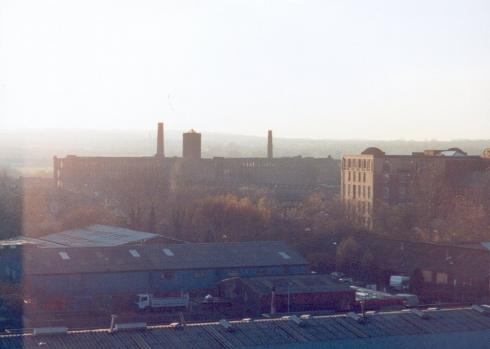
x: 307, y: 69
x: 31, y: 151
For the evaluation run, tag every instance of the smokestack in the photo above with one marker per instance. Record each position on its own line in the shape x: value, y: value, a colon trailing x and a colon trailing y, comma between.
x: 160, y: 151
x: 269, y: 144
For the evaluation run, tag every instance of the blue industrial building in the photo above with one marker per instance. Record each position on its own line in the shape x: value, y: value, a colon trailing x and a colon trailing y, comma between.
x: 107, y: 275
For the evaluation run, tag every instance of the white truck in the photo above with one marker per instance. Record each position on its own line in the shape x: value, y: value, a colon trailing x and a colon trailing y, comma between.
x: 148, y: 301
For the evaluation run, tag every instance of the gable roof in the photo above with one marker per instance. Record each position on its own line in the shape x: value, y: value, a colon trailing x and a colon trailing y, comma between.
x: 158, y: 257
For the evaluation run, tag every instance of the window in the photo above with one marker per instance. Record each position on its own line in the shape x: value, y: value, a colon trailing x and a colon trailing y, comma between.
x: 359, y: 177
x: 354, y: 191
x: 363, y: 191
x: 386, y: 193
x: 349, y: 175
x: 364, y: 177
x: 369, y: 192
x: 348, y: 189
x: 441, y: 278
x: 427, y: 276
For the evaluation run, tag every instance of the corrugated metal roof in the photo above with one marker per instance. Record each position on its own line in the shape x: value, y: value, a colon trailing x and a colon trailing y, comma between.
x: 154, y: 257
x: 450, y: 329
x: 97, y: 235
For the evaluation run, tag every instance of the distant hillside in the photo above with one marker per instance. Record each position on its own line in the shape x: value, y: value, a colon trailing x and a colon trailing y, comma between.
x: 35, y: 149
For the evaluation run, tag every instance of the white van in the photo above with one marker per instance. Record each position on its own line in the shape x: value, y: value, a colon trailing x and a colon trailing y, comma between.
x: 399, y: 282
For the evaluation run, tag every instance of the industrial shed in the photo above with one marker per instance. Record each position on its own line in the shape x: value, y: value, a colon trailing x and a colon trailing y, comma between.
x: 96, y: 235
x: 292, y: 293
x: 75, y: 277
x: 448, y: 329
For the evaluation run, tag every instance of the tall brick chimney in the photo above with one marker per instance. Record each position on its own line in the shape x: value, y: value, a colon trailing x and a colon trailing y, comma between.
x: 160, y: 151
x: 269, y: 144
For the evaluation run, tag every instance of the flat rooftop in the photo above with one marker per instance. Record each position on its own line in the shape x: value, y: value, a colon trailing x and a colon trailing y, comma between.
x: 292, y: 284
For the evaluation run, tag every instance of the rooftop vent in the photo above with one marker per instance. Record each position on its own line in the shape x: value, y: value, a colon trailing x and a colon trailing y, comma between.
x: 483, y: 309
x: 176, y: 325
x: 226, y: 325
x: 297, y: 321
x: 134, y: 253
x: 49, y: 330
x: 168, y: 252
x: 284, y: 255
x: 357, y: 317
x: 64, y: 255
x: 419, y: 313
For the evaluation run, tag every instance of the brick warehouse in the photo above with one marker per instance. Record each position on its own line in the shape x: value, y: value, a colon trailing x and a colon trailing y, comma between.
x: 98, y: 175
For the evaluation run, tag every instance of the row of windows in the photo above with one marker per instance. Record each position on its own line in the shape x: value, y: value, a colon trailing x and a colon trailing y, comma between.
x: 362, y: 213
x: 356, y: 163
x: 360, y: 208
x: 435, y: 277
x: 356, y: 176
x: 357, y: 191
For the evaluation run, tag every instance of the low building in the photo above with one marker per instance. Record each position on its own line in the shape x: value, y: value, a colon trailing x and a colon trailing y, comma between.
x: 445, y: 328
x: 107, y: 278
x: 290, y: 293
x: 95, y: 235
x: 98, y: 235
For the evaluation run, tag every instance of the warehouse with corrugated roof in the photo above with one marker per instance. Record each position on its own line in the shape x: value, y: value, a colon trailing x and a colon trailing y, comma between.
x: 77, y: 278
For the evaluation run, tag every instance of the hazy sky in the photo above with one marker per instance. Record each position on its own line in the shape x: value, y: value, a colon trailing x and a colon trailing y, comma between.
x: 325, y: 69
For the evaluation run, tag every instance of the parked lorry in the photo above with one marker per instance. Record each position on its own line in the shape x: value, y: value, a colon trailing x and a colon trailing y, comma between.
x: 148, y: 301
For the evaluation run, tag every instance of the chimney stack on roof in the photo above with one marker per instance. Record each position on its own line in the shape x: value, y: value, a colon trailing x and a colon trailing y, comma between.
x: 160, y: 151
x: 269, y: 145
